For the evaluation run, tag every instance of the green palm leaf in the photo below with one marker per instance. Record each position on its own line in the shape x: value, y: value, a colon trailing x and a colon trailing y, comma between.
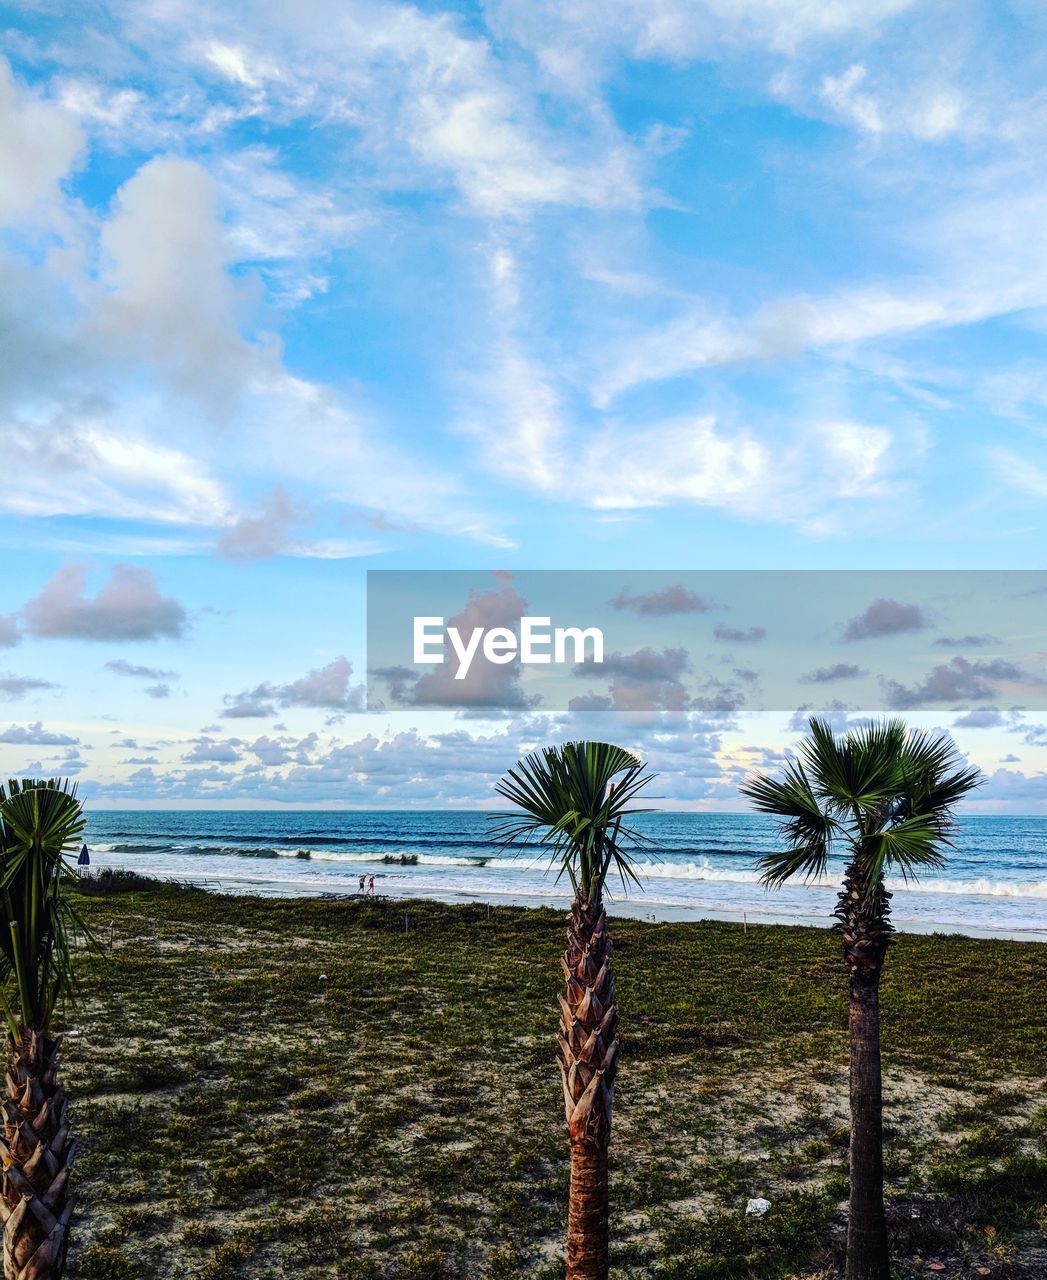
x: 886, y: 792
x: 574, y: 800
x: 41, y: 823
x: 855, y: 771
x: 807, y: 829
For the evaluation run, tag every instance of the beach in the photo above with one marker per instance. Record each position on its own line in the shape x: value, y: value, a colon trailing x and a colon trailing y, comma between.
x: 693, y: 866
x: 274, y: 1087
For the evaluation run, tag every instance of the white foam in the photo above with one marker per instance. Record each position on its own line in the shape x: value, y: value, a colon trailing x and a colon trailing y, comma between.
x: 647, y: 869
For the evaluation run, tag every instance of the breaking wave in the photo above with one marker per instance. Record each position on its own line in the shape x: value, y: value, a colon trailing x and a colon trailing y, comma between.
x: 668, y: 867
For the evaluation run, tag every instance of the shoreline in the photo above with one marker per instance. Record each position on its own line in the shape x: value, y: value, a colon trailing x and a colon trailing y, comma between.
x: 692, y: 867
x: 627, y: 909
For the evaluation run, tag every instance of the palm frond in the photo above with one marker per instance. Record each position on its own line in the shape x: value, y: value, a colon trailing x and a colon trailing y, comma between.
x: 574, y: 799
x: 807, y: 829
x: 907, y: 846
x: 916, y: 828
x: 41, y: 823
x: 854, y: 771
x: 933, y: 777
x: 888, y: 792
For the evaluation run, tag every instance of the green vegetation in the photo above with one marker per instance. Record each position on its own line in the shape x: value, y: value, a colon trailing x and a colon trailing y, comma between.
x: 270, y: 1088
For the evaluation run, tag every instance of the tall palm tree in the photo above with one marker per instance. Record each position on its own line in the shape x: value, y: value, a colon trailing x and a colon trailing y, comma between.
x: 886, y: 795
x: 40, y: 823
x: 574, y: 799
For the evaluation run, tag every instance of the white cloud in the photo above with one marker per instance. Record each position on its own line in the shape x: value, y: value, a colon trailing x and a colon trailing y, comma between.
x: 794, y: 473
x: 886, y: 617
x: 524, y: 433
x: 844, y: 94
x: 128, y: 606
x: 797, y: 472
x: 171, y: 297
x: 344, y: 458
x: 501, y: 167
x: 679, y: 30
x: 12, y: 687
x: 524, y: 430
x: 39, y: 142
x: 207, y: 749
x: 780, y: 329
x: 75, y: 463
x: 1021, y: 473
x: 283, y: 222
x: 412, y: 100
x: 328, y: 688
x: 36, y: 735
x: 858, y: 454
x: 926, y: 111
x: 526, y: 442
x: 135, y: 671
x: 235, y: 64
x: 87, y: 413
x: 689, y: 460
x: 429, y: 95
x: 450, y: 99
x: 270, y: 531
x: 100, y: 106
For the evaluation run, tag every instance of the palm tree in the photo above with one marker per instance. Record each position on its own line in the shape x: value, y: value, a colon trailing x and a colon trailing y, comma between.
x: 573, y: 799
x: 40, y: 823
x: 886, y: 794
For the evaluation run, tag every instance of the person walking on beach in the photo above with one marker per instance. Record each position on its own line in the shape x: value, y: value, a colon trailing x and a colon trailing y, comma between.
x: 362, y: 881
x: 370, y: 886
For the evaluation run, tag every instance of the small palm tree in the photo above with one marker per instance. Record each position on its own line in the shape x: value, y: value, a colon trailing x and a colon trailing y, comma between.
x: 40, y: 823
x: 886, y: 794
x: 574, y: 799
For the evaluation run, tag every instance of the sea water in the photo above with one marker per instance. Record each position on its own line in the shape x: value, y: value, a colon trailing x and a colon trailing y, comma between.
x: 692, y: 865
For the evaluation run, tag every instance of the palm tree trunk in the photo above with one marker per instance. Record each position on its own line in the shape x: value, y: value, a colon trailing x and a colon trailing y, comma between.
x: 866, y: 931
x: 867, y: 1253
x: 588, y: 1057
x: 37, y: 1153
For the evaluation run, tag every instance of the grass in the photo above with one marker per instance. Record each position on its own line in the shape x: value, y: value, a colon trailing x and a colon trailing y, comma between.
x: 266, y: 1088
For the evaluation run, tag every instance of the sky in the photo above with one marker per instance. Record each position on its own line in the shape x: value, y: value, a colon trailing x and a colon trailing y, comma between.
x: 293, y: 291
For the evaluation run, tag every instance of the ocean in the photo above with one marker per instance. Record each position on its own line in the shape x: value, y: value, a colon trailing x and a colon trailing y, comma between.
x: 696, y: 866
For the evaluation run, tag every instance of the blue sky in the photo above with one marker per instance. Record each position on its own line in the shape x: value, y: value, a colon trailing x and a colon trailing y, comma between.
x: 292, y: 291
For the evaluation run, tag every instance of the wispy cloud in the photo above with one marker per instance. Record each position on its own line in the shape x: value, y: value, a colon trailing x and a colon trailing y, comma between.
x: 13, y: 687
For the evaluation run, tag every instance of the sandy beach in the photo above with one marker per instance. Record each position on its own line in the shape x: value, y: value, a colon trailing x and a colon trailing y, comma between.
x: 698, y: 866
x: 263, y: 1090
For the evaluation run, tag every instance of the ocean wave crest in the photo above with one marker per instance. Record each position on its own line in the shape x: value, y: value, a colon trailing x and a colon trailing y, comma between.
x: 669, y: 867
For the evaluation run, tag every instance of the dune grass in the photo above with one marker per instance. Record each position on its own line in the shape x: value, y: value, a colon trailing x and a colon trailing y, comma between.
x: 272, y: 1088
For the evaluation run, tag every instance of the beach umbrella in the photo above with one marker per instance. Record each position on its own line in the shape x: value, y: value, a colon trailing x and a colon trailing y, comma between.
x: 84, y: 859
